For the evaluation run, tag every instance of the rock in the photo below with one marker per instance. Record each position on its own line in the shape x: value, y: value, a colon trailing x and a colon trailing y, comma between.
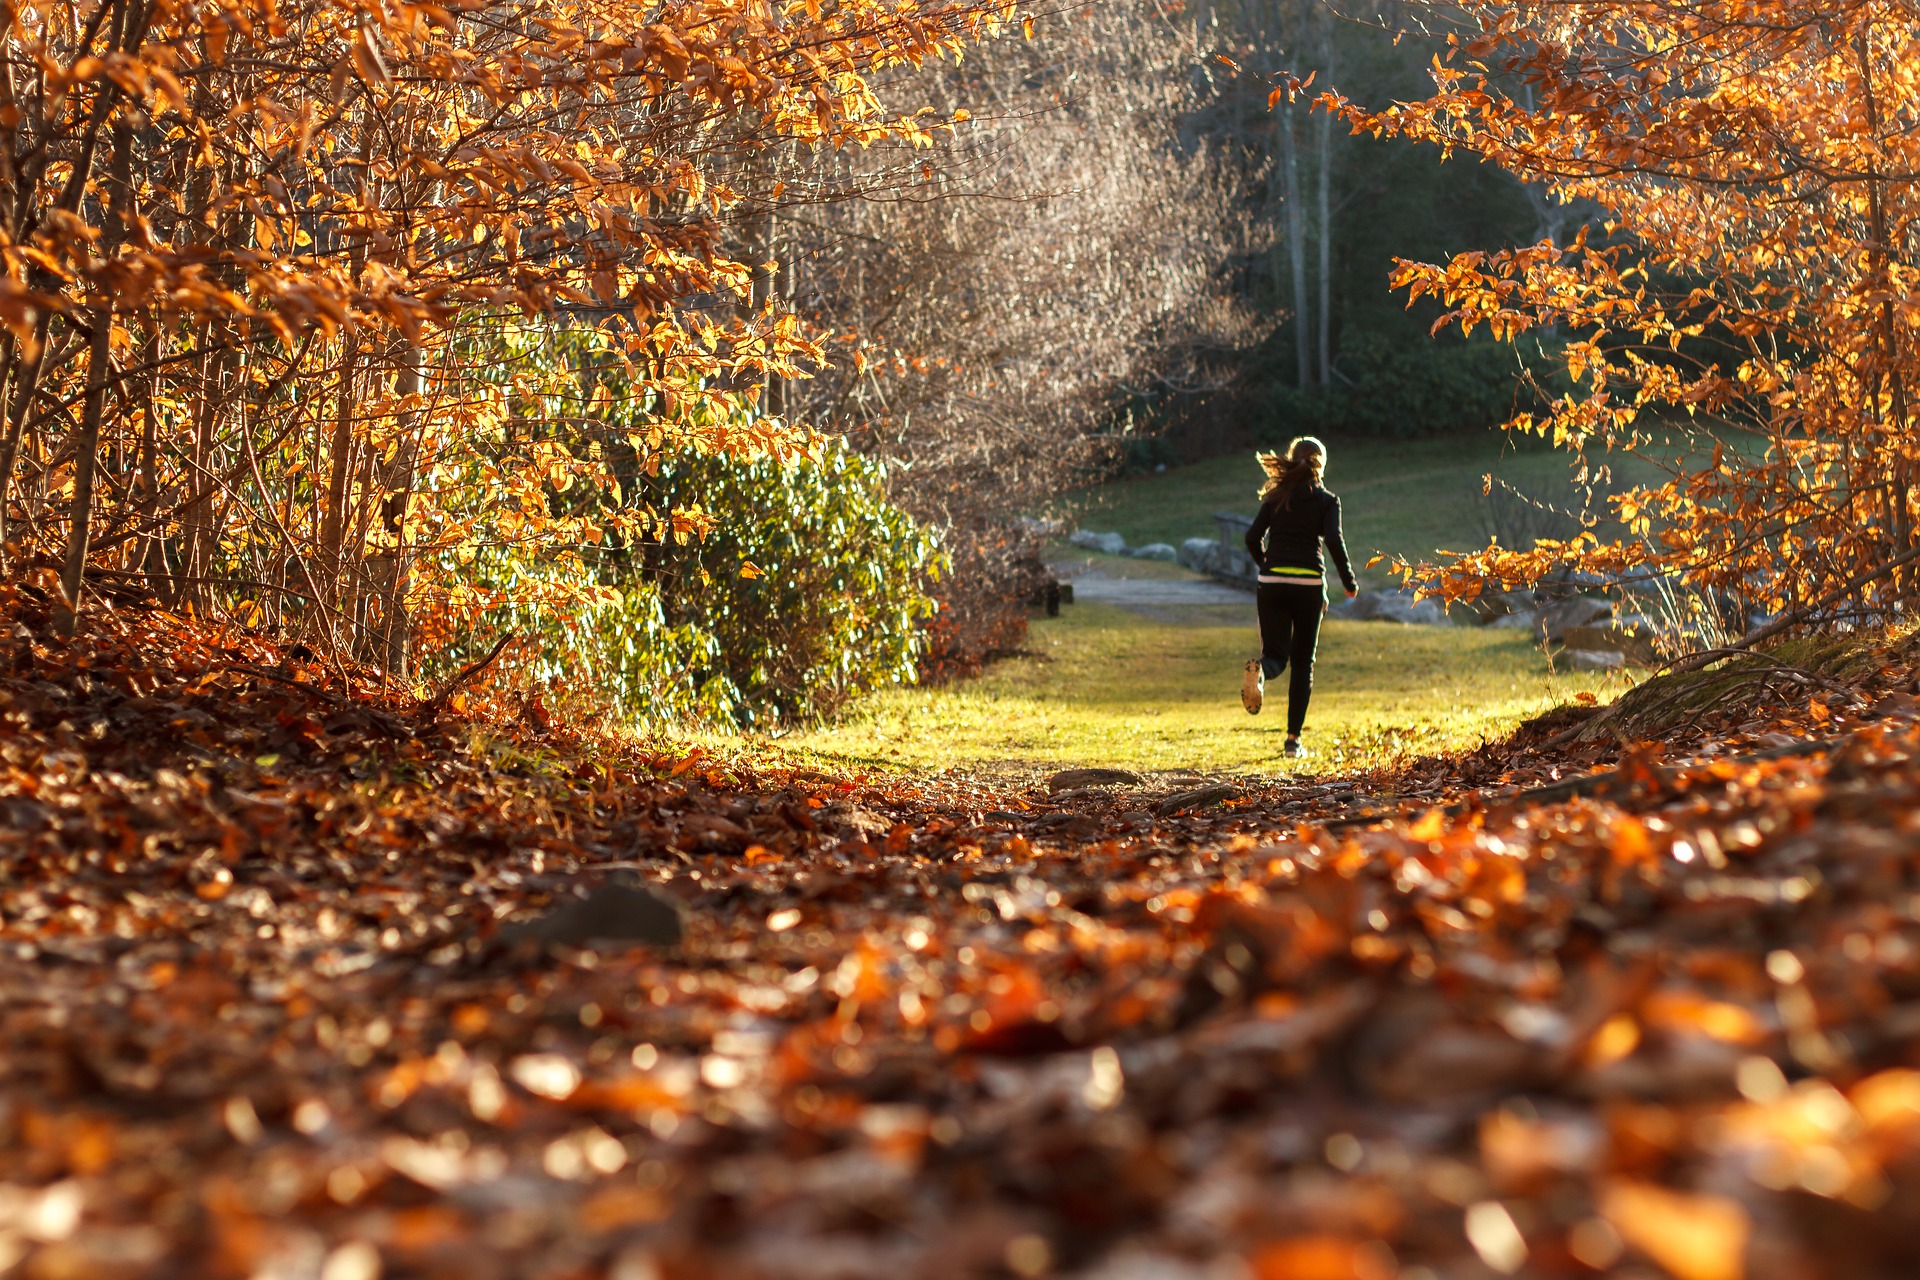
x: 1528, y: 621
x: 1154, y: 551
x: 611, y: 917
x: 1491, y: 606
x: 1594, y: 659
x: 1580, y: 611
x: 1198, y: 798
x: 1205, y: 555
x: 714, y: 833
x: 1074, y: 779
x: 1197, y: 553
x: 1111, y: 544
x: 1391, y: 606
x: 1635, y: 644
x: 864, y: 824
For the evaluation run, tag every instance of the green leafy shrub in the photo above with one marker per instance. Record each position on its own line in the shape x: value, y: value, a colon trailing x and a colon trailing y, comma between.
x: 811, y: 587
x: 744, y: 588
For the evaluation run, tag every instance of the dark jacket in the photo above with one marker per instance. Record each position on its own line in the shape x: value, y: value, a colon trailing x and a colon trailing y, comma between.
x: 1285, y: 541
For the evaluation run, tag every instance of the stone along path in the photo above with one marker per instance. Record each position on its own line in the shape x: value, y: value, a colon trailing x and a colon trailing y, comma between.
x: 1163, y: 594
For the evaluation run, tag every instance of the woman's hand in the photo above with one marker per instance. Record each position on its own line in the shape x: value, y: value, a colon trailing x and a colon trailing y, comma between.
x: 1352, y: 592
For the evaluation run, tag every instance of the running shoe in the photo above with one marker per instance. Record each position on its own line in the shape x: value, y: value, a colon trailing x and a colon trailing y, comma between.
x: 1293, y: 750
x: 1252, y: 687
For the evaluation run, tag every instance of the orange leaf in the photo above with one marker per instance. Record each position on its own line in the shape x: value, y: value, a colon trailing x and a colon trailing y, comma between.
x: 1323, y: 1258
x: 1695, y: 1237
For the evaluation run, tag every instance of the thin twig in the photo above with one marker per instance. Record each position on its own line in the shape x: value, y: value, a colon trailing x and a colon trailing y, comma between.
x: 453, y: 686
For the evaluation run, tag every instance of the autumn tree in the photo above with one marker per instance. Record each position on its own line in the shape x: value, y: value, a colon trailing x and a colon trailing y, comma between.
x: 251, y: 255
x: 1754, y: 280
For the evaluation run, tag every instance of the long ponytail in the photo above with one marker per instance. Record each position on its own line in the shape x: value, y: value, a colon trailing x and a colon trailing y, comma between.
x: 1304, y: 462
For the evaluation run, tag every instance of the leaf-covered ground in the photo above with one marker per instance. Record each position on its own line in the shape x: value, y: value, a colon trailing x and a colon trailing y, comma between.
x: 270, y: 1004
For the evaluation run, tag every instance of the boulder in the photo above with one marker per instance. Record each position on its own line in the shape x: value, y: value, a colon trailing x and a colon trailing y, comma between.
x: 1197, y: 554
x: 612, y: 916
x: 1594, y: 660
x: 1423, y: 613
x: 1391, y: 606
x: 1204, y: 555
x: 1579, y: 611
x: 1636, y: 644
x: 1528, y: 621
x: 1489, y: 607
x: 1154, y: 551
x: 1111, y: 544
x: 1234, y: 562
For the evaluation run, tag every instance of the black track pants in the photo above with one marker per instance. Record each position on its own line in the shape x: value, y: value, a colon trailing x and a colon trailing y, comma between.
x: 1289, y: 631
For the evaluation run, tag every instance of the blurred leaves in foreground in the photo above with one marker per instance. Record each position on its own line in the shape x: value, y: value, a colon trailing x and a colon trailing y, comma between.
x: 1599, y: 1010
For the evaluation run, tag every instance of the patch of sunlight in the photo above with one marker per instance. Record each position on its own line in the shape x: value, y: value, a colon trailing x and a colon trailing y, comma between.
x: 1104, y: 686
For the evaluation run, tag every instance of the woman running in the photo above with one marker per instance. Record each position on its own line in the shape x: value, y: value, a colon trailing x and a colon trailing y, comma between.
x: 1296, y: 515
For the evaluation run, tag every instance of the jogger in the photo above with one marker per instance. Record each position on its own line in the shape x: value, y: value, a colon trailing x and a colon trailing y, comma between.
x: 1296, y: 516
x: 1289, y: 632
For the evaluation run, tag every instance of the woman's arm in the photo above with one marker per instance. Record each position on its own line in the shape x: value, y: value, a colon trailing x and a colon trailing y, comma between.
x: 1257, y: 533
x: 1337, y: 546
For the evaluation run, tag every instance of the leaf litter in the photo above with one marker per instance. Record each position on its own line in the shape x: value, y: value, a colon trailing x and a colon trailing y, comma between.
x: 304, y: 979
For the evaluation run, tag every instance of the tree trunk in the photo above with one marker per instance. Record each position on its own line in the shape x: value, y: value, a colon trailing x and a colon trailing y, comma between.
x: 391, y: 566
x: 1323, y: 327
x: 1893, y: 433
x: 333, y: 524
x: 22, y: 386
x: 153, y: 556
x: 86, y: 450
x: 1297, y: 249
x: 86, y: 456
x: 196, y: 518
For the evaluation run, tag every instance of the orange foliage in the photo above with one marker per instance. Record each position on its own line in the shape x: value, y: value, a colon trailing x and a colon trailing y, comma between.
x: 246, y: 250
x: 1754, y: 274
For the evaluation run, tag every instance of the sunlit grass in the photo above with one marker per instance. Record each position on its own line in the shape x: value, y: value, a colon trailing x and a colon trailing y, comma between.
x: 1109, y: 687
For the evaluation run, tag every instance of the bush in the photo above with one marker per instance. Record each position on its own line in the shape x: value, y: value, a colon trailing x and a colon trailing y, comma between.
x: 808, y: 587
x: 839, y: 599
x: 673, y: 632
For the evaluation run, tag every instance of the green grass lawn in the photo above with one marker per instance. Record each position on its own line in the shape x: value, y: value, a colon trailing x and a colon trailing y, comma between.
x: 1108, y: 687
x: 1407, y: 498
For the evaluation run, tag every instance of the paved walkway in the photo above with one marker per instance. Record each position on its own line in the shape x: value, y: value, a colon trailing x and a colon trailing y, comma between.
x: 1127, y: 592
x: 1153, y: 592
